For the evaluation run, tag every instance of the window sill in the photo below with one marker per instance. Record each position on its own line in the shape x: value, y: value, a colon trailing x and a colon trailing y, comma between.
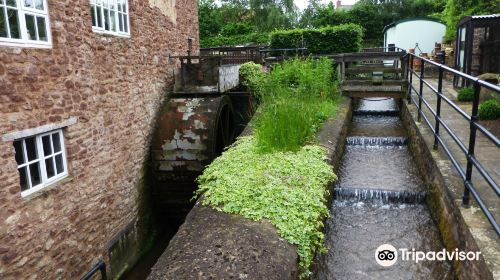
x: 111, y: 34
x: 48, y: 188
x: 24, y: 44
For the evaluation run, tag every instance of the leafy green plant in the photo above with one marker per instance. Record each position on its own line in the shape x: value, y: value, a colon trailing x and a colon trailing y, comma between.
x: 466, y: 94
x: 296, y: 97
x: 326, y: 40
x: 238, y: 28
x: 250, y: 72
x: 489, y: 110
x: 218, y: 41
x: 287, y: 188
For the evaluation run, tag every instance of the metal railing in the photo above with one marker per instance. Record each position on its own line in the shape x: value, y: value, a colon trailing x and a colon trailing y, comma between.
x: 235, y: 55
x: 99, y: 266
x: 468, y: 150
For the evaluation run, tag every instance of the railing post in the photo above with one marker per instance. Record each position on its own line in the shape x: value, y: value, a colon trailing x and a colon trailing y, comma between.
x: 420, y: 91
x: 438, y: 108
x: 472, y: 143
x: 410, y: 69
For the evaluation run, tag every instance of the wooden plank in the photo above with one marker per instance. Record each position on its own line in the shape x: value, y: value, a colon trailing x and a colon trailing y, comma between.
x: 359, y: 94
x: 370, y: 82
x: 368, y: 56
x: 370, y: 69
x: 371, y: 88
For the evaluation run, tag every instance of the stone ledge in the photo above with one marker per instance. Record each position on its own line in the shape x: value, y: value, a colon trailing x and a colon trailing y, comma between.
x: 458, y: 229
x: 38, y: 130
x: 216, y: 245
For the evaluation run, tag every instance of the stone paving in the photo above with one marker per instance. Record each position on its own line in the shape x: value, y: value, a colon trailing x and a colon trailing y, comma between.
x: 486, y: 153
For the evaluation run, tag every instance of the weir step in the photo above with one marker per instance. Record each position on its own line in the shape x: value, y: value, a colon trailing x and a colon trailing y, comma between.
x: 380, y: 195
x: 376, y: 112
x: 376, y: 141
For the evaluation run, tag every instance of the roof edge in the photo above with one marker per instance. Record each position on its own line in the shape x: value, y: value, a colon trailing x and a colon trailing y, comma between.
x: 394, y: 23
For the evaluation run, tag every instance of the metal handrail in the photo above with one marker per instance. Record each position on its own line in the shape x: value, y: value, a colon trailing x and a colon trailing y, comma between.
x: 99, y: 266
x: 469, y: 153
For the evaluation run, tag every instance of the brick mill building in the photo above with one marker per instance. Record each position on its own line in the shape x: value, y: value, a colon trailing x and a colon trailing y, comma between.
x: 80, y: 85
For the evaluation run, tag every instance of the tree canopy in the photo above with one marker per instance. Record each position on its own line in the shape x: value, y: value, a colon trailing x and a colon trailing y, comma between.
x: 228, y: 18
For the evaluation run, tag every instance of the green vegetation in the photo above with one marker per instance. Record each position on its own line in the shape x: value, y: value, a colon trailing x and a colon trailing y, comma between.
x: 286, y: 188
x: 489, y: 110
x: 296, y: 97
x: 235, y: 40
x: 457, y: 9
x: 236, y: 22
x: 326, y: 40
x: 279, y: 174
x: 249, y: 72
x: 466, y: 94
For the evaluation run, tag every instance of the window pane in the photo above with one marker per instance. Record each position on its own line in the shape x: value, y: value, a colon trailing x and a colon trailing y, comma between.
x: 112, y: 21
x: 18, y: 146
x: 57, y: 142
x: 120, y: 19
x: 2, y: 2
x: 11, y: 3
x: 23, y: 178
x: 124, y: 7
x: 106, y: 19
x: 14, y: 23
x: 49, y: 167
x: 3, y: 23
x: 47, y: 149
x: 39, y: 4
x: 28, y: 3
x: 119, y: 3
x: 30, y: 26
x: 42, y: 29
x: 35, y: 174
x: 99, y: 16
x: 92, y: 13
x: 125, y: 24
x: 59, y: 164
x: 31, y: 148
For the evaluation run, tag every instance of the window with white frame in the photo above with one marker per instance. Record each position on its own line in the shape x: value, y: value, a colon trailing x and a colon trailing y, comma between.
x: 41, y: 160
x: 24, y: 23
x: 110, y: 16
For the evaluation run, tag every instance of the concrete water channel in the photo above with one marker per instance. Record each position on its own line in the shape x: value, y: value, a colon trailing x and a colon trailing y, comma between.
x: 379, y: 199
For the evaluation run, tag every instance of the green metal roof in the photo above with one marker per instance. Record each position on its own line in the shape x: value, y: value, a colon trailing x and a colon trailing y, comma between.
x: 410, y: 19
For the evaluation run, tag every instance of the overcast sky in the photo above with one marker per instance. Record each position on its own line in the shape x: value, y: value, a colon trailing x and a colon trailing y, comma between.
x: 302, y: 4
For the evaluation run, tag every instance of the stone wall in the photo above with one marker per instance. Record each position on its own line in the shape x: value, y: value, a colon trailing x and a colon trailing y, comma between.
x: 114, y: 87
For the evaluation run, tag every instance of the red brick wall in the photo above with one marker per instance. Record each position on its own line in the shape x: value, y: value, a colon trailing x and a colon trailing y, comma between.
x: 114, y: 86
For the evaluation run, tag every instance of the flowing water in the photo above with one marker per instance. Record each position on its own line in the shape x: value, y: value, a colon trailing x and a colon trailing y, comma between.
x: 379, y: 199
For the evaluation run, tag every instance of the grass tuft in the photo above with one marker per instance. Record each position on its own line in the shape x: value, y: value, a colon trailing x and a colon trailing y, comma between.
x: 296, y: 97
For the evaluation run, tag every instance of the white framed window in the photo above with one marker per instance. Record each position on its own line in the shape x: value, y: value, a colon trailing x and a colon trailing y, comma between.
x: 110, y: 16
x: 41, y: 161
x: 25, y: 23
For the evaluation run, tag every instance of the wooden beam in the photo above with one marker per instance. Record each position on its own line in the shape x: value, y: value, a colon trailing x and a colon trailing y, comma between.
x: 370, y: 69
x: 368, y: 56
x: 370, y: 82
x: 360, y: 94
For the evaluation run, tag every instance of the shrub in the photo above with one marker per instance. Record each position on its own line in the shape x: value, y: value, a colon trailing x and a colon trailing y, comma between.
x: 218, y: 41
x: 326, y: 40
x: 250, y: 72
x: 489, y: 110
x: 466, y: 94
x: 233, y: 29
x: 296, y: 97
x: 288, y: 189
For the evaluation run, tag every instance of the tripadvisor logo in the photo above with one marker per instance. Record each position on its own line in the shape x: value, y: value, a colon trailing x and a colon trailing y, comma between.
x: 387, y: 255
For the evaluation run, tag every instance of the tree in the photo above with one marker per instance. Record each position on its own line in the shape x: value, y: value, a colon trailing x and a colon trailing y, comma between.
x: 457, y: 9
